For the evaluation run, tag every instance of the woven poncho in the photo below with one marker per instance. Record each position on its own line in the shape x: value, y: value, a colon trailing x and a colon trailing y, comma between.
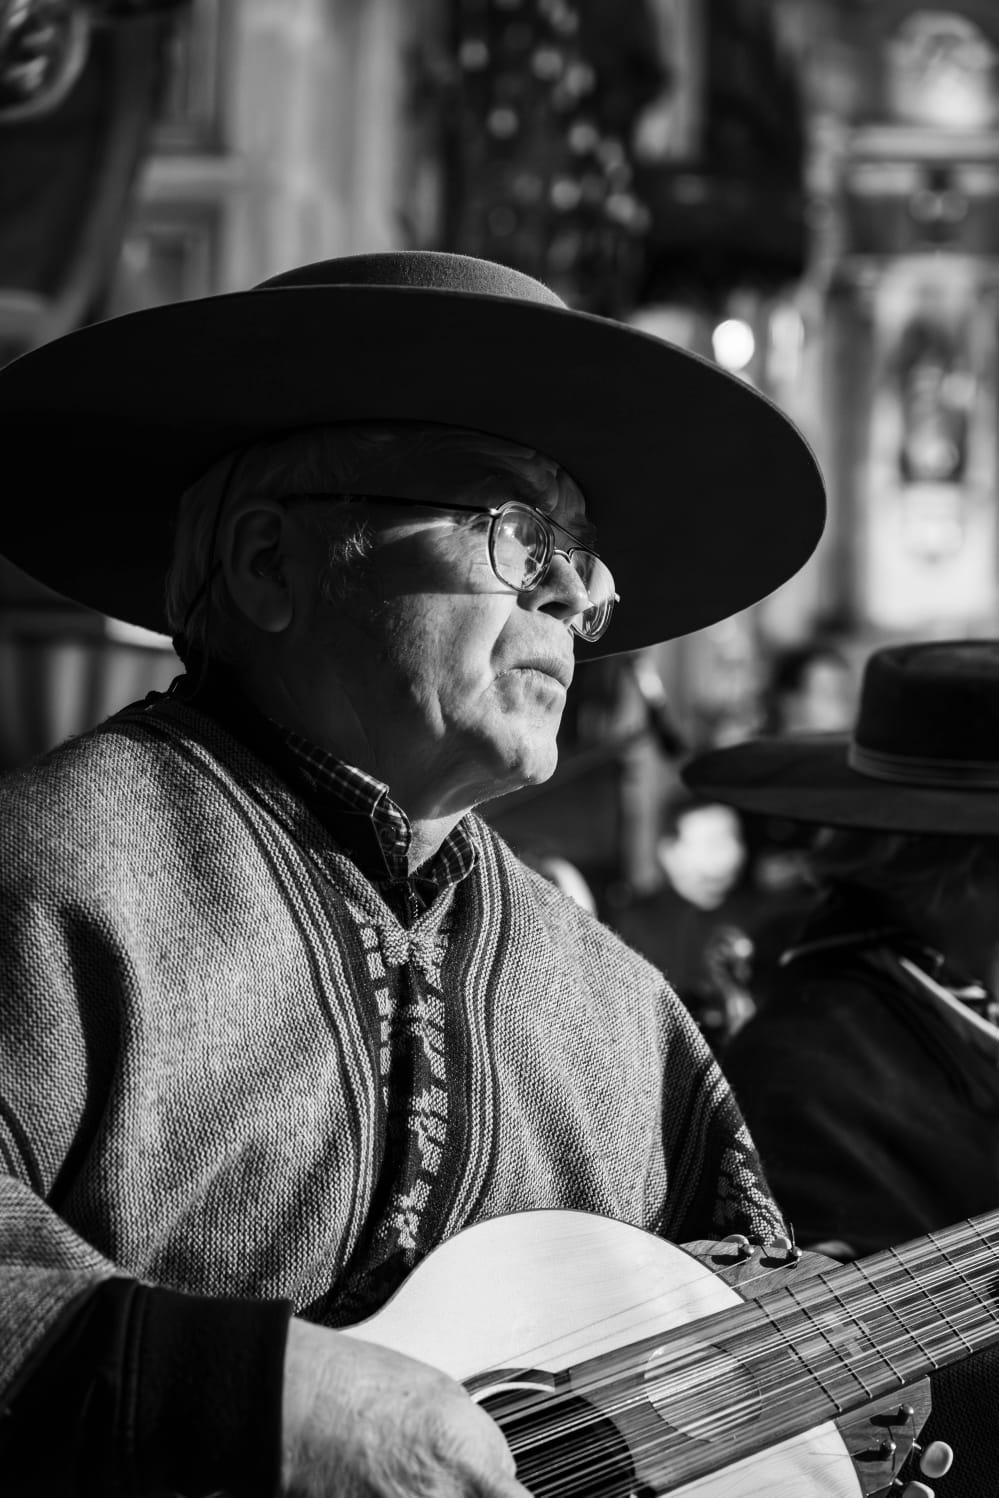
x: 203, y: 1006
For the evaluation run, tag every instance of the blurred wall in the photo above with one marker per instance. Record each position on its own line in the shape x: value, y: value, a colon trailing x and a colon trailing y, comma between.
x: 287, y: 136
x: 282, y: 131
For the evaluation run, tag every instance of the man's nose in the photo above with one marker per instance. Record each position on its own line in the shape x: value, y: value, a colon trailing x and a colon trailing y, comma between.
x: 561, y: 591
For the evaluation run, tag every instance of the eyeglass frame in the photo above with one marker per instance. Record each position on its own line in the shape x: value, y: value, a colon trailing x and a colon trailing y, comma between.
x: 549, y: 526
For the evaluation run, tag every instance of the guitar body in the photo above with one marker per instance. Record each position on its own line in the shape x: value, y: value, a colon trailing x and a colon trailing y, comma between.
x: 508, y: 1303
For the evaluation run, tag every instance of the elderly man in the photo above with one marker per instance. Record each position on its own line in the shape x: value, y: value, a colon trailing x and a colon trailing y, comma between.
x: 278, y: 1012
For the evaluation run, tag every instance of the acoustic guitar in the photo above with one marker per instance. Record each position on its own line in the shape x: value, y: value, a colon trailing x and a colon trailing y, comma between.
x: 618, y: 1364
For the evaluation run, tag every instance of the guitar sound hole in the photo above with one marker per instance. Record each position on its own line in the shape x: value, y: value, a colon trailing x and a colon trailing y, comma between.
x: 566, y: 1447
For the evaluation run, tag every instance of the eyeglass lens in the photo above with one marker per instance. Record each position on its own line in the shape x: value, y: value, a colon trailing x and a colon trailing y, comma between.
x: 521, y: 545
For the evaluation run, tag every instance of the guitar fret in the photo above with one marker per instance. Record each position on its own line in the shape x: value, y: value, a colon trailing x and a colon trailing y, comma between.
x: 850, y: 1317
x: 975, y: 1227
x: 927, y: 1297
x: 794, y: 1347
x: 991, y: 1310
x: 835, y: 1359
x: 833, y: 1347
x: 859, y: 1267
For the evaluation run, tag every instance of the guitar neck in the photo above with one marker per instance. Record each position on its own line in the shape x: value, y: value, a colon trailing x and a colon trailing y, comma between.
x: 712, y: 1380
x: 861, y: 1330
x: 843, y: 1337
x: 798, y: 1357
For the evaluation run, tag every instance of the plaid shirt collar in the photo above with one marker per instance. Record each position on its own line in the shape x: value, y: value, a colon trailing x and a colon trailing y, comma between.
x: 349, y: 789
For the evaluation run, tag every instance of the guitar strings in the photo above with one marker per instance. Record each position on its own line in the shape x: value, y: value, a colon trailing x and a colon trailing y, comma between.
x: 804, y: 1297
x: 685, y: 1354
x: 690, y: 1358
x: 564, y: 1470
x: 806, y: 1294
x: 677, y: 1383
x: 659, y: 1445
x: 913, y: 1257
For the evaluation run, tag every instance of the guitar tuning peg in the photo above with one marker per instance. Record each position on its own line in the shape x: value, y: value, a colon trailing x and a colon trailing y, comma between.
x: 936, y: 1460
x: 917, y: 1490
x: 783, y: 1247
x: 741, y: 1244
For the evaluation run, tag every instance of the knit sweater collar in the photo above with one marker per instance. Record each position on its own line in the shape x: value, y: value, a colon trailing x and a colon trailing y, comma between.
x: 313, y: 786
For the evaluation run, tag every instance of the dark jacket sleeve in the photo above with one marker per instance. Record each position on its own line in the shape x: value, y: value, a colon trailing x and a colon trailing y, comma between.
x: 138, y: 1391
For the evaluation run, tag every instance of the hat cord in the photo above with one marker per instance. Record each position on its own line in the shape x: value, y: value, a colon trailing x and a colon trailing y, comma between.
x: 195, y: 660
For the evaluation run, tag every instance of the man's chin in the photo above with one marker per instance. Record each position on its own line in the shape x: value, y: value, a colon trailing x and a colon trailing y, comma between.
x: 522, y: 766
x: 542, y: 767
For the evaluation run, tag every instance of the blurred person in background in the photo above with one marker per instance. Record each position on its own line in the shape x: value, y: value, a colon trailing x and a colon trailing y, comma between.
x: 691, y: 925
x: 889, y: 982
x: 812, y: 688
x: 279, y: 1013
x: 871, y: 1078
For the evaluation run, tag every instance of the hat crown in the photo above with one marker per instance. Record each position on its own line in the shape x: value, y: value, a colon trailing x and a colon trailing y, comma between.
x: 934, y: 700
x: 425, y: 270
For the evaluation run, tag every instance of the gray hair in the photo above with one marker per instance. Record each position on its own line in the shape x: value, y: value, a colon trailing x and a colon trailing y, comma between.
x: 319, y: 459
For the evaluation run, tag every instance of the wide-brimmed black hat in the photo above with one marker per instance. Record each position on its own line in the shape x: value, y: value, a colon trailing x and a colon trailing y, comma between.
x: 923, y: 757
x: 705, y: 496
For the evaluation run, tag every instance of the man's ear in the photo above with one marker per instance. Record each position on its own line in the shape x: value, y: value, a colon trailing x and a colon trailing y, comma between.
x: 253, y: 552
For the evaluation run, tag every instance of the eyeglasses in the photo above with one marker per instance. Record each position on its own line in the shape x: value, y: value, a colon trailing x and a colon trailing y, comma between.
x: 521, y: 548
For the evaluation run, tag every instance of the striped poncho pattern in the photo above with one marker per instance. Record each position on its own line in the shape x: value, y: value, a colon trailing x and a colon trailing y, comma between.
x: 228, y: 1068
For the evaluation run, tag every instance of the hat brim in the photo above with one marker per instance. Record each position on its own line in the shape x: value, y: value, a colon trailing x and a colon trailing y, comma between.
x: 806, y: 778
x: 705, y: 496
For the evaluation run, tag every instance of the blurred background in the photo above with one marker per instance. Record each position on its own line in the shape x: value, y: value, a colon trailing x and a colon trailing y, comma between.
x: 806, y: 191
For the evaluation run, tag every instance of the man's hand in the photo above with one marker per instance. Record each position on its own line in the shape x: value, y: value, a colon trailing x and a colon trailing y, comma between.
x: 359, y: 1421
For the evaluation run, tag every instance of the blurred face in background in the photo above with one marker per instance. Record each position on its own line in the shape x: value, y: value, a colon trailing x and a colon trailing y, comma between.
x: 824, y: 700
x: 704, y: 856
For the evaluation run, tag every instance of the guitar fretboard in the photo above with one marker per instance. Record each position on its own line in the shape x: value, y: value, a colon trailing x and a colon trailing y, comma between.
x: 740, y: 1381
x: 851, y: 1334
